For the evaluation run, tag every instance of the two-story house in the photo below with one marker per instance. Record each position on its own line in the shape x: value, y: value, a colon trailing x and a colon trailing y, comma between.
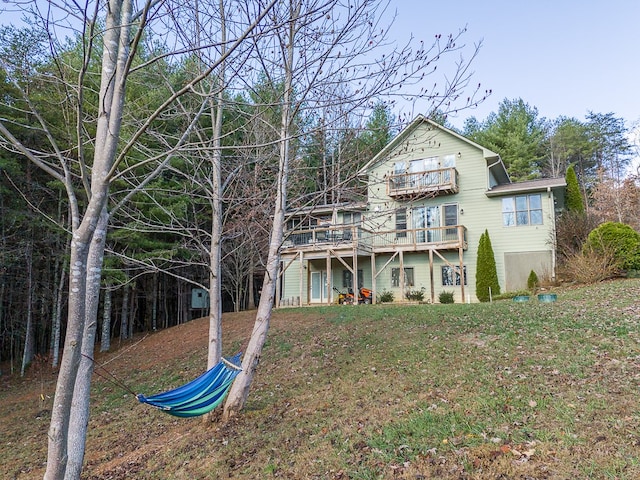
x: 431, y: 193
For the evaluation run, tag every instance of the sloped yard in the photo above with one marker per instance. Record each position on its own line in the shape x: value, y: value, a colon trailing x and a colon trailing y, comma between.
x: 487, y: 391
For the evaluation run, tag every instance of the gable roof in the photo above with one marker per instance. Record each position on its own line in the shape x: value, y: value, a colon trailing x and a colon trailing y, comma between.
x: 417, y: 122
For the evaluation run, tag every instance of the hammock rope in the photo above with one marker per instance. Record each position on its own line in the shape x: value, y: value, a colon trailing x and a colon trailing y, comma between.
x: 110, y: 377
x: 199, y: 396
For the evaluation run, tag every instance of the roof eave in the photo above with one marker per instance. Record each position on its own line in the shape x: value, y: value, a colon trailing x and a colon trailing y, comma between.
x: 513, y: 188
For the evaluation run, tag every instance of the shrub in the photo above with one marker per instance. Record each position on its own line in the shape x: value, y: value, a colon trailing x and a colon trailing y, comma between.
x: 385, y: 297
x: 572, y: 230
x: 486, y: 273
x: 510, y: 295
x: 417, y: 295
x: 533, y: 282
x: 590, y: 266
x: 445, y: 297
x: 618, y: 239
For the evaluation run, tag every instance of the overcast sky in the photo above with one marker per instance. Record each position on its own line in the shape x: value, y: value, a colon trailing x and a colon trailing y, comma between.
x: 564, y: 57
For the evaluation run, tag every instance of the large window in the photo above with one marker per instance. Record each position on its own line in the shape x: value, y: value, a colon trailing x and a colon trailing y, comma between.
x: 451, y: 275
x: 408, y: 277
x: 522, y: 210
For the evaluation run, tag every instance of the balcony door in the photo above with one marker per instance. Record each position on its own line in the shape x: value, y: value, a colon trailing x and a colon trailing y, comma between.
x: 319, y: 287
x: 424, y: 220
x: 418, y: 169
x: 448, y: 162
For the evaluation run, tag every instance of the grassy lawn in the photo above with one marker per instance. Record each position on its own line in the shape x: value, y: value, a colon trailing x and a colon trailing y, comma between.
x: 484, y: 391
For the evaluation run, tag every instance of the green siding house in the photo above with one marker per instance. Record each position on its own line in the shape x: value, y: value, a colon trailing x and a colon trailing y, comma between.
x: 431, y: 193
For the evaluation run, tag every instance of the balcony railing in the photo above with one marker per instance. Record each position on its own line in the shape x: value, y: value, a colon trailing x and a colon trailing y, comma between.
x: 384, y: 241
x: 344, y: 235
x: 429, y: 182
x: 418, y: 238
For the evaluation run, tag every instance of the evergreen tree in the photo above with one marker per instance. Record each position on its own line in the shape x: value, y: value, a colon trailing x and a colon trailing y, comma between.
x: 532, y: 281
x: 486, y: 274
x: 517, y: 134
x: 573, y: 197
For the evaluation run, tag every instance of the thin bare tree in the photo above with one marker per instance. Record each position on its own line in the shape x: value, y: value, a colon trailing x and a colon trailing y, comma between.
x: 113, y: 31
x: 316, y: 48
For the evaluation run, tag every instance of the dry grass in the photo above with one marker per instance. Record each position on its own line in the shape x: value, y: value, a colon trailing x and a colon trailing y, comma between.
x: 589, y: 266
x: 485, y: 391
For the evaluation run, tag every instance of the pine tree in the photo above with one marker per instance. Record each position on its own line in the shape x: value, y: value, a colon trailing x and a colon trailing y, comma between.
x: 486, y: 273
x: 532, y: 281
x: 573, y: 197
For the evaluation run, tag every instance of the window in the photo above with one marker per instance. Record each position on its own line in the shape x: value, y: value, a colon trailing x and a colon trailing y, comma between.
x: 450, y: 219
x: 350, y: 218
x: 448, y: 161
x: 522, y: 210
x: 408, y: 277
x: 401, y: 223
x: 448, y: 273
x: 347, y: 279
x: 400, y: 177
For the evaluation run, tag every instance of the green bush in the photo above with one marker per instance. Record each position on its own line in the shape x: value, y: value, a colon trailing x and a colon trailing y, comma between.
x: 619, y: 240
x: 533, y: 282
x: 417, y: 295
x: 486, y: 273
x: 385, y: 297
x: 445, y: 297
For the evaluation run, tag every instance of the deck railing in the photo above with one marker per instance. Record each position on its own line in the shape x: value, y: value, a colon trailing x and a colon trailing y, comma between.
x: 443, y: 180
x: 357, y: 237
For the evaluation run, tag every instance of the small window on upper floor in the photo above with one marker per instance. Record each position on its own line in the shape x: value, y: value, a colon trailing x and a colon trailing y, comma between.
x: 401, y: 223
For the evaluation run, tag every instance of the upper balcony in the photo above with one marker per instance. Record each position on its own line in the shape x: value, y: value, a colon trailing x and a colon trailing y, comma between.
x: 428, y: 183
x: 347, y: 238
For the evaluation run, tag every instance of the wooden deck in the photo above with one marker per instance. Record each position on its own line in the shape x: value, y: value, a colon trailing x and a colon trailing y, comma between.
x: 347, y: 240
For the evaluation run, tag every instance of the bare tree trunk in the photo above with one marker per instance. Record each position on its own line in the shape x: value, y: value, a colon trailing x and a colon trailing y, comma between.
x: 105, y: 337
x: 111, y: 101
x: 215, y: 254
x: 60, y: 412
x: 133, y: 308
x: 251, y: 302
x: 57, y: 316
x: 79, y: 417
x: 27, y: 353
x: 240, y: 389
x: 154, y: 302
x: 124, y: 313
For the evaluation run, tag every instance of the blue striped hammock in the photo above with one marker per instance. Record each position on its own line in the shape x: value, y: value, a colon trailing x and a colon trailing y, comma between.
x: 199, y: 396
